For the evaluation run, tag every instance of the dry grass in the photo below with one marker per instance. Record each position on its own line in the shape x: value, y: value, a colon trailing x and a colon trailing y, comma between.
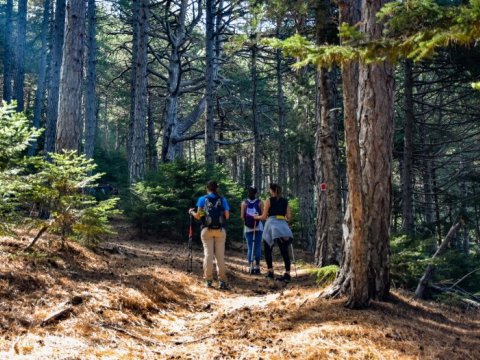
x: 140, y: 304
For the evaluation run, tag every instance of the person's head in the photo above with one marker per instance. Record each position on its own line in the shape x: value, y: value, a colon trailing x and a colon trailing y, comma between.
x: 275, y: 190
x: 252, y: 193
x: 212, y: 187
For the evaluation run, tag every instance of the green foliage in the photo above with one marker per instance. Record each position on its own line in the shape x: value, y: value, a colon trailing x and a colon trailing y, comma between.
x: 160, y: 203
x: 410, y: 257
x: 324, y: 276
x: 414, y: 29
x: 476, y: 85
x: 15, y: 135
x: 63, y: 188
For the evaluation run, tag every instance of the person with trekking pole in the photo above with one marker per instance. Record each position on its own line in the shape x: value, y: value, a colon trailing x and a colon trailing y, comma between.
x: 253, y: 229
x: 277, y: 213
x: 213, y: 210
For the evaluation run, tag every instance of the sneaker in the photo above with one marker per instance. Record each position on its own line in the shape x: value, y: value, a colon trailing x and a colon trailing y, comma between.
x: 222, y: 285
x: 270, y: 275
x: 208, y: 283
x: 286, y: 277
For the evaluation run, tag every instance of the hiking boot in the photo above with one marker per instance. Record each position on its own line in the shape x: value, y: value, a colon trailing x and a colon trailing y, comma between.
x: 270, y: 275
x: 208, y: 283
x: 256, y: 271
x: 222, y: 285
x: 286, y: 277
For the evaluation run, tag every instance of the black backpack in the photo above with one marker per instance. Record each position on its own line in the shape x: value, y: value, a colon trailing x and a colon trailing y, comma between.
x: 252, y: 208
x: 214, y: 213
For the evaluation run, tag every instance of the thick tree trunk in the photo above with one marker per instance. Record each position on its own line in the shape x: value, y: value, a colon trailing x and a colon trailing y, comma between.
x: 91, y: 101
x: 69, y: 124
x: 407, y: 174
x: 20, y: 54
x: 329, y: 204
x: 42, y: 72
x: 137, y: 148
x: 210, y: 86
x: 8, y: 57
x: 370, y: 270
x: 54, y: 81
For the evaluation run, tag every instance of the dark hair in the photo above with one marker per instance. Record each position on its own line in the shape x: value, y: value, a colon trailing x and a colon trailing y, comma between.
x: 213, y: 187
x: 276, y: 188
x: 251, y: 192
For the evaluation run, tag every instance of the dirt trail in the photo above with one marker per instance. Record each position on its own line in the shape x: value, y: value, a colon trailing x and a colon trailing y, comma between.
x: 139, y: 303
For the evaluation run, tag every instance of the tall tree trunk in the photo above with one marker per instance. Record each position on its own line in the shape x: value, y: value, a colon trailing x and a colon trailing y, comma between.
x: 370, y: 272
x: 282, y: 151
x: 54, y: 81
x: 210, y: 86
x: 257, y: 142
x: 152, y: 137
x: 20, y: 55
x: 407, y: 175
x: 8, y: 57
x: 69, y: 124
x: 170, y: 150
x: 137, y: 150
x: 42, y: 72
x: 350, y: 13
x: 91, y: 102
x: 329, y: 216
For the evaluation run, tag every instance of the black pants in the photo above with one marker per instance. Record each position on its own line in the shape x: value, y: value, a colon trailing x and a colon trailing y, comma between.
x: 283, y: 244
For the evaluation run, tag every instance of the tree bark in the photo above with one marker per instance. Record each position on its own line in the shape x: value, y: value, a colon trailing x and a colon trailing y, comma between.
x: 329, y: 204
x: 152, y: 137
x: 20, y: 54
x: 42, y: 73
x: 91, y: 100
x: 69, y: 124
x: 54, y: 81
x: 364, y: 273
x: 257, y: 137
x: 137, y: 148
x: 282, y: 151
x: 423, y: 283
x: 210, y: 86
x: 407, y: 174
x: 8, y: 57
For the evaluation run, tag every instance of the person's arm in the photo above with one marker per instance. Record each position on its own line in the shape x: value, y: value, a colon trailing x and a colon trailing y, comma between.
x: 288, y: 215
x: 196, y: 214
x: 242, y: 210
x: 265, y: 209
x: 226, y: 206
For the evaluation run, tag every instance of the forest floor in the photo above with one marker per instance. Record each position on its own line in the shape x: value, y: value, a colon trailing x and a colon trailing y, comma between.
x: 133, y: 299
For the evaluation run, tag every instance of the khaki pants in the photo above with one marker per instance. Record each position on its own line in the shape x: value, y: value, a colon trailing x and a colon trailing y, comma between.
x: 214, y: 245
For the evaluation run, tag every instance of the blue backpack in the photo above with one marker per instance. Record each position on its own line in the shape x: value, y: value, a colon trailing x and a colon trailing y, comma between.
x: 214, y: 213
x: 252, y: 209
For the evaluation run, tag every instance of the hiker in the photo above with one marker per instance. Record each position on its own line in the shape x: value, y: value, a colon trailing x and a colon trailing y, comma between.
x: 276, y: 230
x: 213, y: 210
x: 253, y: 229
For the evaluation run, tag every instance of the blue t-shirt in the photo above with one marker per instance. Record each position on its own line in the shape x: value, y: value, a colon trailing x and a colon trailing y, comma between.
x: 201, y: 202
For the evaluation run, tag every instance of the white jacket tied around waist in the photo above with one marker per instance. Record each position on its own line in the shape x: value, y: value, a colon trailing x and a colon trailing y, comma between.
x: 275, y: 228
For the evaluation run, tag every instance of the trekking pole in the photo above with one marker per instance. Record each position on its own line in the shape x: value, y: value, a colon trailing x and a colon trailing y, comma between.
x: 243, y: 249
x: 293, y: 258
x: 190, y: 247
